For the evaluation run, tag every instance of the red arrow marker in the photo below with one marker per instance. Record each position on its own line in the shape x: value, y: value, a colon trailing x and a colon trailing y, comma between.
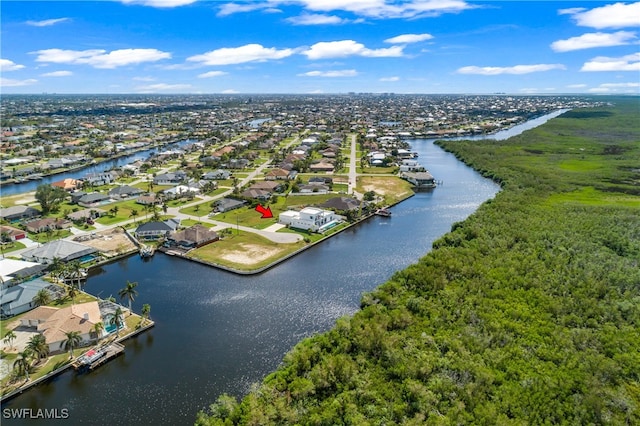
x: 266, y: 213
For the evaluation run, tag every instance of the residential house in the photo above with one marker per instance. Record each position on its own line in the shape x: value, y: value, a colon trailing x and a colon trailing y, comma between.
x: 18, y: 298
x: 17, y: 213
x: 181, y: 191
x: 94, y: 199
x: 148, y: 200
x: 12, y: 269
x: 9, y: 233
x: 86, y: 214
x: 54, y: 323
x: 226, y: 204
x: 310, y: 218
x: 61, y: 249
x: 155, y: 229
x: 258, y: 194
x: 267, y: 186
x: 47, y: 224
x: 315, y: 188
x: 321, y: 180
x: 280, y: 174
x: 172, y: 178
x: 124, y: 191
x: 98, y: 179
x: 322, y: 166
x: 192, y: 237
x: 341, y: 204
x: 68, y: 184
x: 217, y: 175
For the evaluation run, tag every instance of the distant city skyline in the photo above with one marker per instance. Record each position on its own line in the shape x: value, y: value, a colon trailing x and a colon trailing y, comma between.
x: 320, y: 47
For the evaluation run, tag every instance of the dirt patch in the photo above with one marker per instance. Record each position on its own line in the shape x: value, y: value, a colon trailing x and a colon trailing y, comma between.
x: 250, y: 254
x: 111, y: 242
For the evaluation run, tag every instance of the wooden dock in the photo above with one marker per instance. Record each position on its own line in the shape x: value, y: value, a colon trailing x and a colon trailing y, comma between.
x: 95, y: 357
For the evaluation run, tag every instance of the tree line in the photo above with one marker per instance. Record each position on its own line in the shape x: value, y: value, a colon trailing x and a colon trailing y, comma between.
x: 527, y: 312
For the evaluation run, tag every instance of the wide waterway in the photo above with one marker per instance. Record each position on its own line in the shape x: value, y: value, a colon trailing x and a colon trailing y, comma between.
x: 31, y: 185
x: 218, y: 332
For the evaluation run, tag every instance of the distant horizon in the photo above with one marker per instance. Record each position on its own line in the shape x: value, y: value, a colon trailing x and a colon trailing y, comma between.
x: 320, y: 47
x: 596, y: 95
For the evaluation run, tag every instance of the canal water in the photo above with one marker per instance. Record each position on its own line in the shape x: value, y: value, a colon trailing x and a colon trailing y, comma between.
x: 31, y: 185
x: 217, y: 332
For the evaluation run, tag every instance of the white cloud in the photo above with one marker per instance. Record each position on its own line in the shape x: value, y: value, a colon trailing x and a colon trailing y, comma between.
x: 211, y: 74
x: 617, y: 15
x: 242, y: 54
x: 99, y: 58
x: 340, y: 73
x: 344, y: 48
x: 8, y: 82
x: 576, y: 86
x: 316, y: 19
x: 378, y: 9
x: 47, y: 22
x: 57, y: 74
x: 409, y: 38
x: 159, y: 3
x: 231, y: 8
x: 591, y: 40
x: 163, y: 87
x: 617, y: 88
x: 388, y: 9
x: 7, y: 65
x: 517, y: 69
x: 604, y: 63
x: 230, y: 91
x: 390, y: 78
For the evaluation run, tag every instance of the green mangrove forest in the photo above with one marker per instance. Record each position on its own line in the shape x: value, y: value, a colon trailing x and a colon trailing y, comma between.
x: 526, y: 313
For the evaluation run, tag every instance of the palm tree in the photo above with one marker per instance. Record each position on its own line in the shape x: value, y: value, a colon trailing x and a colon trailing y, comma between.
x: 23, y: 363
x: 42, y: 297
x: 134, y: 214
x: 146, y: 310
x: 56, y: 268
x: 129, y: 292
x: 97, y: 330
x: 116, y: 320
x: 72, y: 341
x: 72, y: 292
x: 9, y: 338
x: 38, y: 346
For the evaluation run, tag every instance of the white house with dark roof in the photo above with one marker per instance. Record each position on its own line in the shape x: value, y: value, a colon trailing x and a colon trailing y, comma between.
x: 154, y: 229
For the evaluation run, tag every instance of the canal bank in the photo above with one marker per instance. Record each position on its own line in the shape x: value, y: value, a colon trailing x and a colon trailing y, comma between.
x: 220, y: 333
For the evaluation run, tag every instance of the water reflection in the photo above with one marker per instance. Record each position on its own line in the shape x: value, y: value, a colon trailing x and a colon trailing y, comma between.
x: 217, y: 332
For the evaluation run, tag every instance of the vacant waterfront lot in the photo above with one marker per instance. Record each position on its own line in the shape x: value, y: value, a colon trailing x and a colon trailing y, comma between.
x: 244, y: 251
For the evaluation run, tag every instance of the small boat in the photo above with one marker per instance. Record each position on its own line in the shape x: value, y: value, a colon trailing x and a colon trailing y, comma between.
x: 90, y: 357
x: 383, y: 212
x: 146, y: 251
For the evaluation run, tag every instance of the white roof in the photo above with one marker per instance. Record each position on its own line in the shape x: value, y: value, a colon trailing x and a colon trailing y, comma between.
x: 290, y: 213
x: 11, y: 266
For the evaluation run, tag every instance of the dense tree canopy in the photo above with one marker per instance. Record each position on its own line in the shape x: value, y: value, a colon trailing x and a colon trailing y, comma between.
x: 49, y: 197
x: 528, y: 312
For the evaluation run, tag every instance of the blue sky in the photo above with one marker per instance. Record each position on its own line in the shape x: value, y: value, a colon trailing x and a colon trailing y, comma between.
x: 320, y: 46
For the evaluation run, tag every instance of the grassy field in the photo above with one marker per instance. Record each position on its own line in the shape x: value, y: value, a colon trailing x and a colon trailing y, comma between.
x: 244, y: 251
x: 393, y: 189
